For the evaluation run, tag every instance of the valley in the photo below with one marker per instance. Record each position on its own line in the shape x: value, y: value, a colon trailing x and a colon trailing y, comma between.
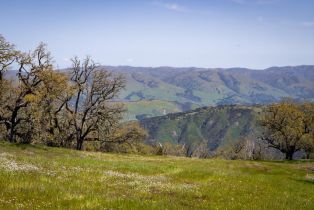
x: 162, y: 90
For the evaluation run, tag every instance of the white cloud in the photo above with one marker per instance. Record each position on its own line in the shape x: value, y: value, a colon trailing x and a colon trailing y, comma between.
x: 171, y: 6
x: 308, y: 24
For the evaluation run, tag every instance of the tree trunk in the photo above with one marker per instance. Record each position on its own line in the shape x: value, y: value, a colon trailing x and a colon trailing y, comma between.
x: 11, y: 133
x: 289, y: 155
x: 79, y: 143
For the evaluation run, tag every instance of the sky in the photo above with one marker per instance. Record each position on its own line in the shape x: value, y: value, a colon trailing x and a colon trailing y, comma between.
x: 182, y: 33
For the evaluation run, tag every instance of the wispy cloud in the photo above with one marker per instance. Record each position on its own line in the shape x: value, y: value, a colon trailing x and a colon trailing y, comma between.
x: 308, y: 24
x: 171, y: 6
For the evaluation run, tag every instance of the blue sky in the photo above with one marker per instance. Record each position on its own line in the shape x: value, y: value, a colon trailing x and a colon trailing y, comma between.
x: 213, y: 33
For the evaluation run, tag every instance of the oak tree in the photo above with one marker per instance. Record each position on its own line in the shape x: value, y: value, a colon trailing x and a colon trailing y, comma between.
x: 285, y: 127
x: 90, y: 108
x: 18, y: 95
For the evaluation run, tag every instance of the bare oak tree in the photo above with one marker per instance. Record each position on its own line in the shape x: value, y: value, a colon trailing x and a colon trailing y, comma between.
x: 91, y: 108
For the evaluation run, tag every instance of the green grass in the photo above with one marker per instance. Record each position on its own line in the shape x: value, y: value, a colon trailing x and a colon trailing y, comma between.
x: 151, y: 108
x: 36, y: 177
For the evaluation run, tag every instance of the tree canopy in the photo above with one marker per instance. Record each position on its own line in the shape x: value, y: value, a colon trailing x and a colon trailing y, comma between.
x: 288, y: 127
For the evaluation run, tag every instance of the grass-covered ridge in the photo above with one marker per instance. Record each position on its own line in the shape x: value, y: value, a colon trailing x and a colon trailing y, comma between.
x: 216, y: 126
x: 36, y: 177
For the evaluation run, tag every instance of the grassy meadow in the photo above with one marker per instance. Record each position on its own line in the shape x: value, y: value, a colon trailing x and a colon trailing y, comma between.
x: 38, y: 177
x: 152, y: 108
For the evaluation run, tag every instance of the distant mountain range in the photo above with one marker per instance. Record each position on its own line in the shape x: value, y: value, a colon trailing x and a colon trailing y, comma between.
x: 158, y: 91
x: 162, y: 90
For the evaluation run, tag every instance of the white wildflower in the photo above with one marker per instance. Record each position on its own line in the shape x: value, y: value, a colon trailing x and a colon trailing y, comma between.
x: 11, y: 165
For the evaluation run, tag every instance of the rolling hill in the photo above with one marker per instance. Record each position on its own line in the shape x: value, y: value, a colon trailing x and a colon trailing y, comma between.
x: 189, y: 88
x: 213, y: 126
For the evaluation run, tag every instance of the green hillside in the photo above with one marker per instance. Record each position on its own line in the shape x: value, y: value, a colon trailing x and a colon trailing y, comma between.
x: 216, y: 86
x: 216, y: 126
x: 137, y: 110
x: 36, y: 177
x: 189, y: 88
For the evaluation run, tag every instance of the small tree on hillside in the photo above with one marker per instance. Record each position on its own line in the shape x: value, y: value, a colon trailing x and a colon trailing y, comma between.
x: 284, y: 127
x: 125, y: 137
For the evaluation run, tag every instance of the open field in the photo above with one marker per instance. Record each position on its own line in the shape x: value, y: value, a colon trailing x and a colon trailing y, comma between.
x: 149, y: 108
x: 36, y: 177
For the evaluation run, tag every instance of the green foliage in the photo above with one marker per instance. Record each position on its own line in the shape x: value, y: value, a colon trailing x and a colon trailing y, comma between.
x: 126, y: 138
x: 288, y: 126
x: 216, y: 126
x: 16, y: 101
